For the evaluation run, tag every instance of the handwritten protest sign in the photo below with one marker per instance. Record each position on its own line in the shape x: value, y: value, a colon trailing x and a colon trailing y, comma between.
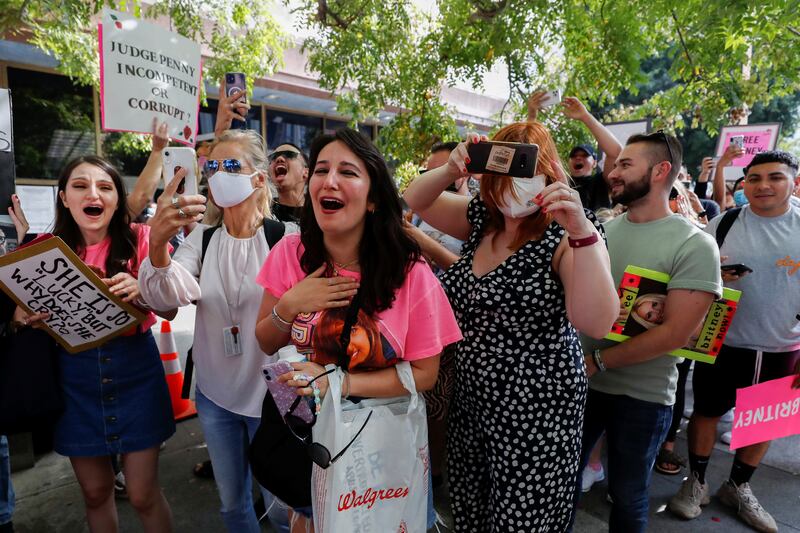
x: 49, y: 276
x: 147, y: 71
x: 766, y: 411
x: 757, y: 138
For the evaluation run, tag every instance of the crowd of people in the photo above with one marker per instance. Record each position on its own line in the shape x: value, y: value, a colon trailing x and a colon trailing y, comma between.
x: 498, y: 300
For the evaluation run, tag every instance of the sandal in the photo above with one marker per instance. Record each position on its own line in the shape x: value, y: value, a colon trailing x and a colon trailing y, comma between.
x: 668, y: 457
x: 204, y: 470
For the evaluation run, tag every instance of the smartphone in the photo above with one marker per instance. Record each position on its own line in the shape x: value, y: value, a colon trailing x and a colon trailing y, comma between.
x: 737, y: 269
x: 176, y: 159
x: 673, y: 194
x: 283, y: 394
x: 738, y: 140
x: 550, y: 99
x: 235, y: 81
x: 503, y: 158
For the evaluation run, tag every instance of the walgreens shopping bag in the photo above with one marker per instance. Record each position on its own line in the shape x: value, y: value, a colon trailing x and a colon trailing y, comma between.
x: 380, y: 484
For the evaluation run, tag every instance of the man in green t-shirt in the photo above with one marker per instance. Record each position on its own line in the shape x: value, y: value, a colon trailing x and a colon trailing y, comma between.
x: 632, y: 384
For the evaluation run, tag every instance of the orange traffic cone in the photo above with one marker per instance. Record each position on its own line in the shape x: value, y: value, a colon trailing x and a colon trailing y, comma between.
x: 181, y: 408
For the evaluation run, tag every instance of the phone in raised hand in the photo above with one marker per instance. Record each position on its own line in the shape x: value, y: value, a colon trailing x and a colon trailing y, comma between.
x: 503, y: 158
x: 550, y: 99
x: 236, y: 81
x: 176, y: 158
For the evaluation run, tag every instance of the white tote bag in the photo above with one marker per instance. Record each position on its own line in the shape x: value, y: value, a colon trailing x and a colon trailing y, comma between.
x: 380, y: 484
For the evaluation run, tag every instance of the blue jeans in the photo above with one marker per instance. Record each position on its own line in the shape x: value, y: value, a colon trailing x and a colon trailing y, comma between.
x: 6, y: 490
x: 634, y: 431
x: 228, y: 436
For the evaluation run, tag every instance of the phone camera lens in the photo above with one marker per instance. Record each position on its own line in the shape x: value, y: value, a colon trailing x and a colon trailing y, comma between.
x: 523, y: 161
x: 166, y: 154
x: 229, y: 78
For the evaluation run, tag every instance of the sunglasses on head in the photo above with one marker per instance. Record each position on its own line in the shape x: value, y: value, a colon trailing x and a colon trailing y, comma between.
x: 228, y: 165
x: 318, y: 453
x: 286, y: 154
x: 663, y: 136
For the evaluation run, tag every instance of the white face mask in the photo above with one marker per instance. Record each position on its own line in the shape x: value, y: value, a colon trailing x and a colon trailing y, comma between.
x: 230, y: 189
x: 526, y: 189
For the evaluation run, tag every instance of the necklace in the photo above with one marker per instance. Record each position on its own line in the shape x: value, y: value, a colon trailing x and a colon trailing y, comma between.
x: 342, y: 266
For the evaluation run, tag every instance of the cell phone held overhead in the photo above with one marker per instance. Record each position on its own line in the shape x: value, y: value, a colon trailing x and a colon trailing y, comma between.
x: 503, y: 158
x: 235, y: 81
x: 550, y: 99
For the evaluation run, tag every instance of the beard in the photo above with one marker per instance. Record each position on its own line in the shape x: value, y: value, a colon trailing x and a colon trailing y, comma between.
x: 633, y: 191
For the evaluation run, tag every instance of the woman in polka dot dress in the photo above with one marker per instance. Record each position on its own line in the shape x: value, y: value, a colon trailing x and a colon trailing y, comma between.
x: 534, y: 269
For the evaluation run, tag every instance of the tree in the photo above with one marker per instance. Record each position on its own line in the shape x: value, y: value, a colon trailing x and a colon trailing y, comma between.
x: 724, y: 57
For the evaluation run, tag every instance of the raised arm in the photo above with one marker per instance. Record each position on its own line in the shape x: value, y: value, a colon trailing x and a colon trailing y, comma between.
x: 731, y: 153
x: 229, y: 108
x: 443, y: 210
x: 591, y: 298
x: 574, y: 109
x: 147, y: 183
x: 431, y: 248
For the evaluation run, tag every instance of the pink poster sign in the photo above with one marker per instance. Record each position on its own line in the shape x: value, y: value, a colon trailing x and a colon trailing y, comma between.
x: 766, y: 411
x: 755, y: 141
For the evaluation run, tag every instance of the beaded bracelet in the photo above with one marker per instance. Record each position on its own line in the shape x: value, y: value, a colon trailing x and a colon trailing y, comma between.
x: 280, y: 323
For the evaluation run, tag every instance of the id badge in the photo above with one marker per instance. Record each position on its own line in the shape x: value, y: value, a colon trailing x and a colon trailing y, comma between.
x: 232, y: 337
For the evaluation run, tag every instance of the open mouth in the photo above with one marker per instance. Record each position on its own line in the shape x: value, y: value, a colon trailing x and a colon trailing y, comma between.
x: 331, y: 204
x: 578, y: 166
x: 93, y: 210
x: 280, y: 171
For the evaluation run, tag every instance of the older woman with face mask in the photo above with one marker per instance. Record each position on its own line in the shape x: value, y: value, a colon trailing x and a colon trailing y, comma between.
x: 226, y: 355
x: 533, y: 271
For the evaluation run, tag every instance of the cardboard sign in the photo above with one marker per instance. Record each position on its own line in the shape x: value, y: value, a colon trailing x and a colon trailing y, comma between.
x: 766, y: 411
x: 642, y: 293
x: 757, y: 138
x: 145, y: 72
x: 48, y: 276
x: 39, y: 204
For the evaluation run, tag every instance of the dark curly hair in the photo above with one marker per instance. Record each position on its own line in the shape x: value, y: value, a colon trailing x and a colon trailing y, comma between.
x: 386, y: 252
x: 123, y: 239
x: 774, y: 156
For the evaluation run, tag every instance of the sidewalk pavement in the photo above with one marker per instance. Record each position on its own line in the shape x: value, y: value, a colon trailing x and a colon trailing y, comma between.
x: 49, y: 500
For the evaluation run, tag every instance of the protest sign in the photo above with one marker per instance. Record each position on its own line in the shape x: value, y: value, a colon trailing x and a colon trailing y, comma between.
x: 39, y: 204
x: 147, y: 71
x: 47, y: 276
x: 766, y: 411
x: 6, y: 156
x: 642, y: 296
x: 757, y: 138
x: 623, y: 131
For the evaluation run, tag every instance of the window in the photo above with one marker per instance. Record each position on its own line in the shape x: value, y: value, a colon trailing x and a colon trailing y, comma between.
x: 297, y: 129
x: 53, y: 122
x: 208, y: 117
x: 331, y: 125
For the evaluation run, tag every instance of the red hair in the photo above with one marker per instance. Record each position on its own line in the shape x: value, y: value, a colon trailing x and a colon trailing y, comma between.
x: 493, y: 187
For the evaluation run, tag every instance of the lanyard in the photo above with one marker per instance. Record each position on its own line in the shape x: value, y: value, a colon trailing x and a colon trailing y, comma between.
x: 231, y: 306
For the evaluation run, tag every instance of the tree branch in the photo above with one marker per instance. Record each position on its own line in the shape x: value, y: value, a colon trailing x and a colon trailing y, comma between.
x: 323, y: 12
x: 683, y: 44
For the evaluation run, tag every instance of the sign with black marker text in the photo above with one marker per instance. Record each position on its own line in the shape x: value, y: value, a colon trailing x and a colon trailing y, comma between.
x: 147, y: 71
x: 47, y: 276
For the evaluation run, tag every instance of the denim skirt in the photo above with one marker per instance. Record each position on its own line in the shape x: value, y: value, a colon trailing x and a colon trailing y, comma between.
x: 115, y: 399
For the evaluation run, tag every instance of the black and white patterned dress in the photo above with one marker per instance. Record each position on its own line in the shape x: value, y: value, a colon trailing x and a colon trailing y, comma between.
x: 514, y: 437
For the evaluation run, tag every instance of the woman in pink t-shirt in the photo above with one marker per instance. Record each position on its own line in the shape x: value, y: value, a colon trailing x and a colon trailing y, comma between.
x: 115, y: 397
x: 352, y: 244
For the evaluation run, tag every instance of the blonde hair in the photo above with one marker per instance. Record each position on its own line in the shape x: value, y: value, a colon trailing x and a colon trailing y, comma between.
x: 641, y: 300
x: 255, y: 151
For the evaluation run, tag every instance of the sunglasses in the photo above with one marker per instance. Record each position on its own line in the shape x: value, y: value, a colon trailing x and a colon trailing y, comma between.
x: 229, y: 165
x: 318, y: 453
x: 286, y: 154
x: 669, y: 148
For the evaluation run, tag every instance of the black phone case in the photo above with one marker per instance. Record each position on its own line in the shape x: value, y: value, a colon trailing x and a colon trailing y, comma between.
x: 737, y: 269
x: 522, y: 160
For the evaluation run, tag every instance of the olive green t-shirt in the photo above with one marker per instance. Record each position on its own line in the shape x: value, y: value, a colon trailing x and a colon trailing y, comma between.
x: 677, y: 247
